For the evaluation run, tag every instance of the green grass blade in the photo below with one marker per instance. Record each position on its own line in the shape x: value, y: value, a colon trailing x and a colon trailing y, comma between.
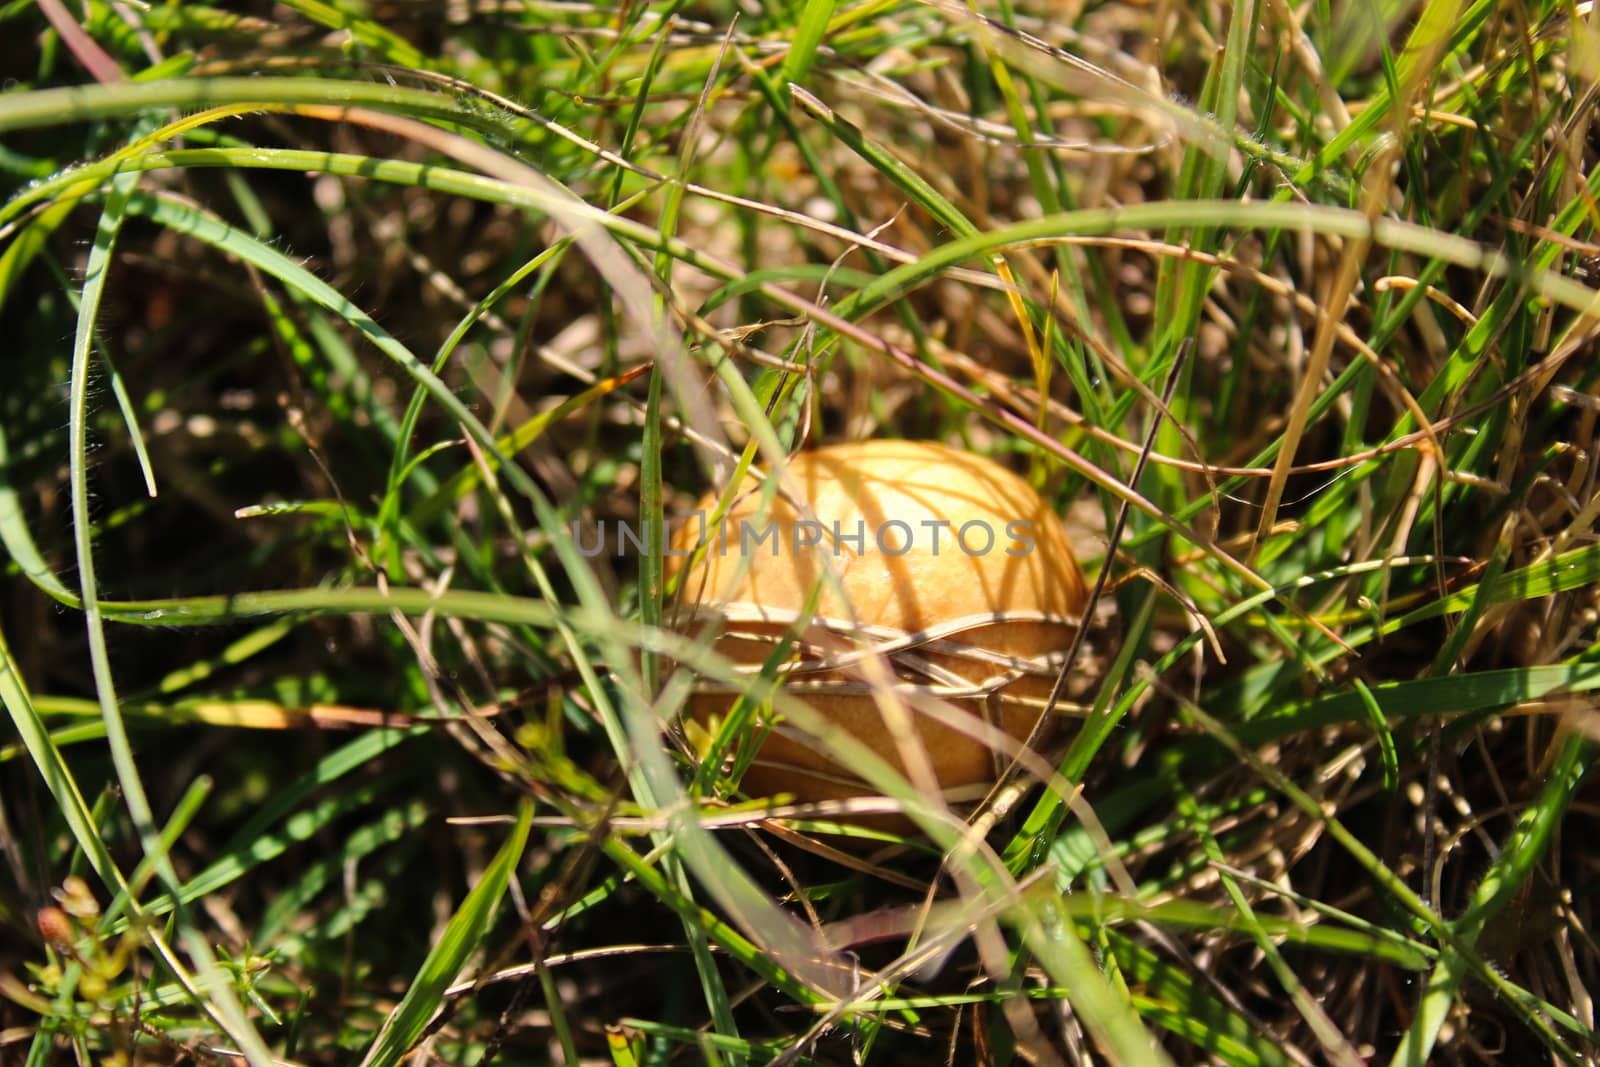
x: 53, y: 769
x: 1510, y: 871
x: 445, y: 959
x: 1175, y: 999
x: 222, y: 1004
x: 809, y: 30
x: 18, y: 540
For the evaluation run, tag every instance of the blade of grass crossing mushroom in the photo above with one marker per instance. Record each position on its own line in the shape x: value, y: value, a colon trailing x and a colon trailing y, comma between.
x: 786, y: 939
x: 1072, y: 459
x: 739, y: 731
x: 1570, y: 571
x: 632, y: 726
x: 221, y: 1003
x: 462, y: 935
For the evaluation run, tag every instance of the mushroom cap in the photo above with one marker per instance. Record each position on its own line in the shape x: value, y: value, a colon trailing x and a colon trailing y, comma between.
x: 919, y: 535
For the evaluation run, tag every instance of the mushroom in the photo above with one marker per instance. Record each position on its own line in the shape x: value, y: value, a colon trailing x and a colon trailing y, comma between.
x: 951, y: 566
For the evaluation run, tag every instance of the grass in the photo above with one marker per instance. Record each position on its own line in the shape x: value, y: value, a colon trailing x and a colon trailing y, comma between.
x: 329, y: 321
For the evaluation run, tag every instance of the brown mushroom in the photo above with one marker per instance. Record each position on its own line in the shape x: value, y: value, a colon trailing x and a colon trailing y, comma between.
x: 947, y: 562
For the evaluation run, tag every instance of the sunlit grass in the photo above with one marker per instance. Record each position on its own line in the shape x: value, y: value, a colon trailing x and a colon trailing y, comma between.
x: 330, y: 326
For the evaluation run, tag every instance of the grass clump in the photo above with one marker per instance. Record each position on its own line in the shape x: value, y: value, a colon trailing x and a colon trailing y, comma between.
x: 338, y: 330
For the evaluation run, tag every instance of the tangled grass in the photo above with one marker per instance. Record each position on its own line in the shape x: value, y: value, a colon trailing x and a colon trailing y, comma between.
x: 332, y: 322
